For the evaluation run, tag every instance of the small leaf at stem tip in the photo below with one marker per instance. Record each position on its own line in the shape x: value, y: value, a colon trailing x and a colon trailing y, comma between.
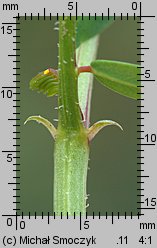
x: 118, y: 76
x: 46, y: 82
x: 96, y: 127
x: 45, y: 123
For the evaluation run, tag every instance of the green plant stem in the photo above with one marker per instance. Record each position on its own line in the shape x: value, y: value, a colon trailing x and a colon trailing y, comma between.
x: 71, y: 145
x: 69, y: 112
x: 71, y: 161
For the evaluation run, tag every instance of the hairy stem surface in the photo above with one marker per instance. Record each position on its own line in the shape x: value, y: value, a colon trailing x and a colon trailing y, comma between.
x: 71, y: 145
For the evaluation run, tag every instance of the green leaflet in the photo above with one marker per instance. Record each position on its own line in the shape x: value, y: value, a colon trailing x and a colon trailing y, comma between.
x: 117, y: 76
x: 86, y: 28
x: 46, y: 82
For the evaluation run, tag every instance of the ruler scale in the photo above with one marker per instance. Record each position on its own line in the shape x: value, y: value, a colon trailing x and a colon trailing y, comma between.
x: 110, y: 228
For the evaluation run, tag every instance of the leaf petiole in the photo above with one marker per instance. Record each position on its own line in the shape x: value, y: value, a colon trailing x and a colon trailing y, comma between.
x: 82, y: 69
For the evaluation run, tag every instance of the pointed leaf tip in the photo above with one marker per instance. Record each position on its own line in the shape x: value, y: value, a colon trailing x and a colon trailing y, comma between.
x: 96, y: 127
x: 44, y: 122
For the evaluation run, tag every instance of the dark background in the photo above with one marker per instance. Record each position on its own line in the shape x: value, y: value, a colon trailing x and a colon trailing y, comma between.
x: 112, y: 178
